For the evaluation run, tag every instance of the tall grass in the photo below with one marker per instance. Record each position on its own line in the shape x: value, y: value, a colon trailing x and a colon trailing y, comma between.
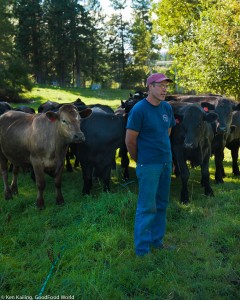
x: 85, y: 247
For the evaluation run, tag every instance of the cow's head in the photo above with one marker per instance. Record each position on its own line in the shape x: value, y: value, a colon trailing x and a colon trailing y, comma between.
x: 193, y: 124
x: 132, y: 100
x: 224, y: 108
x: 68, y: 122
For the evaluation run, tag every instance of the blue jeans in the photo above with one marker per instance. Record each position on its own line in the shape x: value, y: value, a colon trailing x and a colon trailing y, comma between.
x: 150, y: 222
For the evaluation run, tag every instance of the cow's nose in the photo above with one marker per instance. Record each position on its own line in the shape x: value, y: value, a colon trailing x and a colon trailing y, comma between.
x: 188, y: 145
x: 78, y: 137
x: 221, y: 129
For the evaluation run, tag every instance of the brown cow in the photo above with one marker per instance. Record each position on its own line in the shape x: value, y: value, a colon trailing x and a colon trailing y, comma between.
x: 39, y: 140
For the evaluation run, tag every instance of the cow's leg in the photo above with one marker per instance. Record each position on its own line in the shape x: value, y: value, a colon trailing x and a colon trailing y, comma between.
x: 234, y: 154
x: 76, y: 163
x: 183, y: 170
x: 206, y: 177
x: 106, y: 179
x: 58, y: 187
x: 10, y: 168
x: 68, y: 163
x: 4, y: 170
x: 40, y: 183
x: 175, y: 168
x: 184, y: 173
x: 87, y: 172
x: 219, y: 173
x: 32, y: 174
x: 14, y: 184
x: 124, y: 162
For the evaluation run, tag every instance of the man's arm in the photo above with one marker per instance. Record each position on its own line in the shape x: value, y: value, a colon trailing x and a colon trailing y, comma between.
x: 131, y: 143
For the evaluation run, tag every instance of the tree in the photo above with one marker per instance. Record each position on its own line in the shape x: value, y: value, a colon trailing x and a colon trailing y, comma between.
x: 13, y: 71
x: 143, y: 41
x: 203, y: 36
x: 118, y: 31
x: 98, y: 59
x: 29, y: 35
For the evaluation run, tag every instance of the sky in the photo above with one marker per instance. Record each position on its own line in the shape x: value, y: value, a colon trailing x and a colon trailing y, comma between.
x: 105, y: 5
x: 109, y: 10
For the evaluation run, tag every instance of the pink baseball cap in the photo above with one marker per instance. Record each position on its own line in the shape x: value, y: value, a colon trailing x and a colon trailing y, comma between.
x: 157, y: 77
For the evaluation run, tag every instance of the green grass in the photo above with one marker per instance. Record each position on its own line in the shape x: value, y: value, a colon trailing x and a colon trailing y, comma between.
x: 91, y: 239
x: 40, y: 94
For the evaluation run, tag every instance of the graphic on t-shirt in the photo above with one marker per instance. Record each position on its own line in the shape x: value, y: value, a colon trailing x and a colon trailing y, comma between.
x: 165, y: 118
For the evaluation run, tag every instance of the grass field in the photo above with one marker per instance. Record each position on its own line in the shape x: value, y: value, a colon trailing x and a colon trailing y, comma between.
x: 84, y: 249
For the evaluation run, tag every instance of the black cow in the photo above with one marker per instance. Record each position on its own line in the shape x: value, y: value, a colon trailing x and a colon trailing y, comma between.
x: 222, y: 126
x: 72, y: 149
x: 233, y: 142
x: 26, y: 109
x: 4, y: 106
x: 191, y: 140
x: 222, y: 129
x: 104, y: 134
x: 123, y: 110
x: 196, y: 98
x: 49, y: 106
x: 132, y: 100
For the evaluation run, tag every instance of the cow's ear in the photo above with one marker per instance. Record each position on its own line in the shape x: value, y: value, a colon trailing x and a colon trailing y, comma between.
x: 123, y: 104
x: 207, y: 106
x: 236, y: 107
x: 85, y: 113
x: 210, y: 117
x: 232, y: 128
x: 52, y: 116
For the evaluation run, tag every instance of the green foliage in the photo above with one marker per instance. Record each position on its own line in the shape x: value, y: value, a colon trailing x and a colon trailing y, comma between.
x: 144, y: 41
x: 117, y: 39
x: 14, y: 79
x: 91, y: 238
x: 14, y: 76
x: 134, y: 79
x: 204, y: 38
x: 70, y: 43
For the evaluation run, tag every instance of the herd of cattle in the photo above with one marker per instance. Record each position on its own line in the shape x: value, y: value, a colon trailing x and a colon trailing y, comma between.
x: 41, y: 142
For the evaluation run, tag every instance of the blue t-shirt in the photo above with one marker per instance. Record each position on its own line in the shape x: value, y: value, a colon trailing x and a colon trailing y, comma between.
x: 152, y: 123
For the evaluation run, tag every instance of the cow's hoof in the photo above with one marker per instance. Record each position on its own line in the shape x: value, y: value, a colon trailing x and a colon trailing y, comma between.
x: 69, y: 169
x: 85, y: 193
x: 40, y: 204
x: 60, y: 203
x: 184, y: 201
x: 40, y: 207
x: 219, y: 181
x: 8, y: 194
x: 14, y: 190
x: 209, y: 193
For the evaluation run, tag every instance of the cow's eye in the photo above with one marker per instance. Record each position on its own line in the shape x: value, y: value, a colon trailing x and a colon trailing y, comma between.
x: 65, y: 122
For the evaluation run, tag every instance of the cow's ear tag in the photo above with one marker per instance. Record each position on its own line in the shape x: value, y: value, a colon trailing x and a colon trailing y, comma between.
x: 52, y: 117
x: 177, y: 120
x: 205, y: 108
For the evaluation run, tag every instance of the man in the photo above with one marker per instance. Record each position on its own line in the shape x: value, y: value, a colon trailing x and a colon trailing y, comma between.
x: 147, y: 139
